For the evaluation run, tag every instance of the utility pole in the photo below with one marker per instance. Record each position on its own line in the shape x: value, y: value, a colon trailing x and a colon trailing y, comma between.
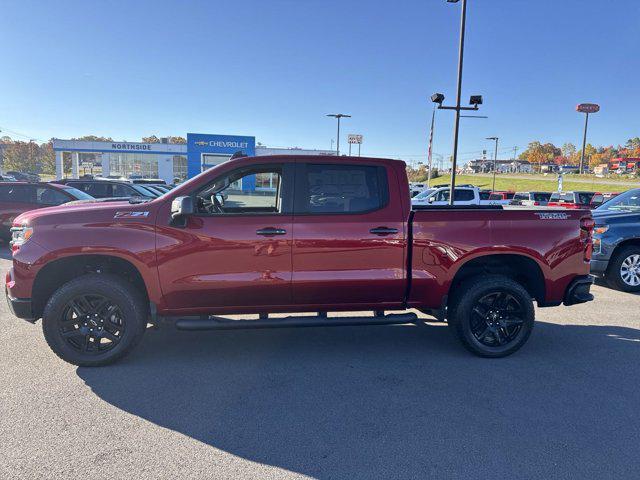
x: 338, y: 116
x: 515, y: 153
x: 495, y: 160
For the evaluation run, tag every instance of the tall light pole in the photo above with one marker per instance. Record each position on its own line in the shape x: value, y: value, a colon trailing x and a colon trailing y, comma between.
x: 495, y: 159
x: 430, y: 151
x: 338, y: 116
x: 586, y: 108
x: 475, y: 100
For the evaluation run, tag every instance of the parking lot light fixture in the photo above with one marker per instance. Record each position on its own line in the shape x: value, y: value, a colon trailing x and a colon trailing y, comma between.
x: 338, y: 116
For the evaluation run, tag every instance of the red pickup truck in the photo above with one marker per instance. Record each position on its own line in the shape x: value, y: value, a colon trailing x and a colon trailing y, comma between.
x: 285, y: 234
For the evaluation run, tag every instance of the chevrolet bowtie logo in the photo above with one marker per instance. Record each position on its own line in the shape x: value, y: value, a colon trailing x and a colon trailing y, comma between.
x: 202, y: 143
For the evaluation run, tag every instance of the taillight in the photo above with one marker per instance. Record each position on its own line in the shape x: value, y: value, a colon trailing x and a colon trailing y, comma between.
x: 587, y: 224
x: 536, y: 204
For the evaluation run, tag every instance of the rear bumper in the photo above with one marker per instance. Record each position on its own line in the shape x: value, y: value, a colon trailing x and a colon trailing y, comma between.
x: 20, y: 307
x: 578, y: 290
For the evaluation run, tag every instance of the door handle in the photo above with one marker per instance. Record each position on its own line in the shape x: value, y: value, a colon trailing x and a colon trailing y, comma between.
x: 383, y: 231
x: 271, y: 231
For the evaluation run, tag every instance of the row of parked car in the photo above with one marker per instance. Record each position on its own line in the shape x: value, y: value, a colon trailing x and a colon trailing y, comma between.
x: 17, y: 197
x: 472, y: 195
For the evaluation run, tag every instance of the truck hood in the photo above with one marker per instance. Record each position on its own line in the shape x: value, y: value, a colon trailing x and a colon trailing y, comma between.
x: 605, y: 216
x: 75, y: 208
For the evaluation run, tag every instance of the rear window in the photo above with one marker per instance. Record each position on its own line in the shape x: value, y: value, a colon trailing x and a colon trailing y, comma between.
x: 521, y: 196
x: 342, y: 189
x: 484, y: 195
x: 585, y: 197
x: 541, y: 196
x: 555, y: 196
x: 496, y: 196
x: 463, y: 195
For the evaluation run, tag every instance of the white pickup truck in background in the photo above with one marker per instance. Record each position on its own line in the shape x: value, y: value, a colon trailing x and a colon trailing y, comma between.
x: 464, y: 195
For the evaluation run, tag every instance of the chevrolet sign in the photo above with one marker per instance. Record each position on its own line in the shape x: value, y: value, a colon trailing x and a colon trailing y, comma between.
x: 588, y: 108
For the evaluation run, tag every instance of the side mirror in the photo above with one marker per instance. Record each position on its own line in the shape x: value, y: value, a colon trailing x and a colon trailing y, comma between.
x: 181, y: 208
x: 431, y: 199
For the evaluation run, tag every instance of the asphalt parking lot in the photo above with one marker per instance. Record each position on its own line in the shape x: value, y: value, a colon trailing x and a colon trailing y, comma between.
x: 367, y: 402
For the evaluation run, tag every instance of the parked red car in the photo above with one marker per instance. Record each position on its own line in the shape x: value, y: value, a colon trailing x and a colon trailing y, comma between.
x: 575, y: 200
x: 19, y: 197
x: 324, y: 234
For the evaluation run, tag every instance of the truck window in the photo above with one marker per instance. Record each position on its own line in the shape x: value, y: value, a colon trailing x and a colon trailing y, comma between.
x: 342, y: 189
x: 256, y: 190
x: 50, y: 196
x: 541, y: 197
x: 16, y: 194
x: 521, y: 196
x: 463, y: 195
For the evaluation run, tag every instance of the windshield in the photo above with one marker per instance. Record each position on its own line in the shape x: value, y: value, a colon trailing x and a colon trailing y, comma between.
x: 424, y: 194
x: 79, y: 194
x: 629, y: 200
x: 144, y: 191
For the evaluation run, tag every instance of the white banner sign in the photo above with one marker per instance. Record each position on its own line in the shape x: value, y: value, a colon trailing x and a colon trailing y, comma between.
x: 357, y: 139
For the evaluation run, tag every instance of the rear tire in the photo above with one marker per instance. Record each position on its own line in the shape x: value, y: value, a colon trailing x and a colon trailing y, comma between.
x: 623, y: 271
x: 94, y: 320
x: 492, y: 315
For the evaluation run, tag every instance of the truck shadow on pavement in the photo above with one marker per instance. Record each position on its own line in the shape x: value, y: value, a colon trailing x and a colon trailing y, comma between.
x: 393, y: 402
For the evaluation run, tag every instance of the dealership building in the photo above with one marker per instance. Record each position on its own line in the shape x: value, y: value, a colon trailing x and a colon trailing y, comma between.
x: 168, y: 161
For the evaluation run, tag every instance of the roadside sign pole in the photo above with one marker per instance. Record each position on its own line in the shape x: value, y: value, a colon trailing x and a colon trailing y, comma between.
x: 349, y: 148
x: 584, y: 141
x: 359, y: 148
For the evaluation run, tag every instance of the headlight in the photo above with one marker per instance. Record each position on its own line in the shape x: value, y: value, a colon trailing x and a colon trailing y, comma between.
x: 601, y: 229
x: 19, y: 236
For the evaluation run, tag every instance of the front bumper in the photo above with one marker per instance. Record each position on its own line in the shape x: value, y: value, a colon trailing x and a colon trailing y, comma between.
x: 578, y: 290
x: 598, y: 267
x: 20, y: 307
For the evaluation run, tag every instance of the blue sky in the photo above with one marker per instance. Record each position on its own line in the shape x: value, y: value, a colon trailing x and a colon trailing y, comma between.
x: 274, y: 68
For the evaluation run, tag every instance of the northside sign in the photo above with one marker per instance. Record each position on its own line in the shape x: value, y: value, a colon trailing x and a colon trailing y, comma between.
x: 588, y: 108
x: 131, y: 146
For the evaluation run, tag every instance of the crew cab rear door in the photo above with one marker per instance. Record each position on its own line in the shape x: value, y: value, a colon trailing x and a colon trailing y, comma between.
x: 349, y: 235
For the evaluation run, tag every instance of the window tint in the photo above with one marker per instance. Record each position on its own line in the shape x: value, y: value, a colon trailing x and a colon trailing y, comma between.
x: 463, y: 195
x: 495, y: 196
x: 555, y: 196
x: 120, y: 190
x: 567, y: 197
x: 344, y: 188
x: 485, y: 195
x: 541, y: 197
x: 50, y: 196
x: 521, y: 196
x: 246, y: 191
x: 585, y: 197
x: 98, y: 189
x: 597, y: 199
x: 17, y: 194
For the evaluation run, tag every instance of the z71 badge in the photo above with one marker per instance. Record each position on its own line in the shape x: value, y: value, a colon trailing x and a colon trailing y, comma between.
x: 131, y: 214
x: 552, y: 215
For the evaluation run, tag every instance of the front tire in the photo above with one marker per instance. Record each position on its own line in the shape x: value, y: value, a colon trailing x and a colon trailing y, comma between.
x: 492, y: 315
x: 623, y: 272
x: 94, y: 320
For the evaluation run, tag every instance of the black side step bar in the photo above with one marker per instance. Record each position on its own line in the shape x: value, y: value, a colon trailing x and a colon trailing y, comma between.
x: 222, y: 323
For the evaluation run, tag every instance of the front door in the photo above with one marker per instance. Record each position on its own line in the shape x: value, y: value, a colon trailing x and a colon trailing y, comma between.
x: 235, y: 253
x: 349, y: 237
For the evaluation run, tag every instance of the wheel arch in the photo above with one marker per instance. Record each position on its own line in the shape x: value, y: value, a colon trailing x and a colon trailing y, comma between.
x: 520, y: 268
x: 60, y: 271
